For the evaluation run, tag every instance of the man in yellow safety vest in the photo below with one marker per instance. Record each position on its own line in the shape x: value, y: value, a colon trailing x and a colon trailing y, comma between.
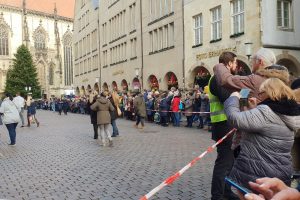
x: 225, y: 157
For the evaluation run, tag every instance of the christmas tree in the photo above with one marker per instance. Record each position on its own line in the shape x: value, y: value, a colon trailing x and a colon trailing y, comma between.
x: 23, y: 75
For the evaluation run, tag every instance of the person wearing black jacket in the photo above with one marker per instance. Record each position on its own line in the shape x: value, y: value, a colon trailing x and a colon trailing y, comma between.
x: 93, y: 114
x: 225, y: 156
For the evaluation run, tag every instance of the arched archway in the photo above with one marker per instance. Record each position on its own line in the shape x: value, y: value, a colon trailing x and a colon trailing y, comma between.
x: 153, y: 82
x: 77, y: 92
x: 136, y: 85
x: 114, y: 86
x: 41, y: 71
x: 96, y: 87
x: 82, y: 91
x: 290, y: 65
x: 88, y: 89
x: 242, y: 68
x: 171, y: 80
x: 105, y: 87
x: 201, y: 76
x: 124, y: 85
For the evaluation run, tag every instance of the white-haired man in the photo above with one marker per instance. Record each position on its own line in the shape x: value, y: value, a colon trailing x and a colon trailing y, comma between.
x: 261, y: 63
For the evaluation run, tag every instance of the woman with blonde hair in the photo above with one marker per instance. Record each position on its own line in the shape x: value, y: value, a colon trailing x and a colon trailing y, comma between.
x: 267, y: 133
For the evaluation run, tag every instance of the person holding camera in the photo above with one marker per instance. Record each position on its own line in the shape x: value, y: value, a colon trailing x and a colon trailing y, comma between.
x: 268, y: 133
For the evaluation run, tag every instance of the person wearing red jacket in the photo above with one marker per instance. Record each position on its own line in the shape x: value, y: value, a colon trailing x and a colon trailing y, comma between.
x: 175, y: 108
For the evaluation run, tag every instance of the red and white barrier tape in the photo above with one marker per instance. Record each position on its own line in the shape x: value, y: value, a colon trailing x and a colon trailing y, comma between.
x: 178, y: 111
x: 171, y: 179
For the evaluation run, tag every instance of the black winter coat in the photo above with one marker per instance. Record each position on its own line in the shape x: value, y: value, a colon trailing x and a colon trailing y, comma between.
x: 93, y: 114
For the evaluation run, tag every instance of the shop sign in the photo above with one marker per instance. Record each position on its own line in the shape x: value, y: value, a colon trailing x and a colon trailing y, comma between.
x: 216, y: 53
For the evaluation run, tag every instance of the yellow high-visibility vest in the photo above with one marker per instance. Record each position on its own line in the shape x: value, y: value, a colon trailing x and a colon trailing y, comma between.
x: 217, y: 113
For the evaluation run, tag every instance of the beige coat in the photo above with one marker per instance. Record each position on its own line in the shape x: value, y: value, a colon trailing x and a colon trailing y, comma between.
x: 103, y: 106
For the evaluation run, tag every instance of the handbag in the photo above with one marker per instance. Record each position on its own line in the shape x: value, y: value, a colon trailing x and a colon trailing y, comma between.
x: 119, y: 111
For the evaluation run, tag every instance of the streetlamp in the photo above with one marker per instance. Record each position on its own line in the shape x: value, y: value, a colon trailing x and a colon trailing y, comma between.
x: 136, y: 70
x: 248, y: 49
x: 28, y: 88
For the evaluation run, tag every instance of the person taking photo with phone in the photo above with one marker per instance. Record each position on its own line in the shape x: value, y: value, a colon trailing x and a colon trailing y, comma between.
x: 268, y: 133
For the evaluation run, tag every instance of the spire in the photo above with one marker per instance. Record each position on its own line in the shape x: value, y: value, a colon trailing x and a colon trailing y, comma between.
x: 25, y: 25
x: 55, y: 9
x: 57, y: 39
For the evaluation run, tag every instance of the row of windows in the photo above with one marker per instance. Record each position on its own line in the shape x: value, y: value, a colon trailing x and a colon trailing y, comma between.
x: 86, y: 66
x: 87, y: 45
x: 162, y: 37
x: 160, y: 8
x: 117, y: 25
x: 238, y: 20
x: 119, y: 52
x: 84, y: 21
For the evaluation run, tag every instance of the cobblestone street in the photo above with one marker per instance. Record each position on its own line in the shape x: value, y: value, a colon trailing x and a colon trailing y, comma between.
x: 61, y: 160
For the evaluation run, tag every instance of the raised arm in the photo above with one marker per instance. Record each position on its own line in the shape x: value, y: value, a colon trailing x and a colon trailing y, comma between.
x: 250, y: 120
x: 230, y: 81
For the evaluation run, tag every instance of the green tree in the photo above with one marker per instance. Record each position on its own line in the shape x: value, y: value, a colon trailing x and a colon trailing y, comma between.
x: 23, y: 74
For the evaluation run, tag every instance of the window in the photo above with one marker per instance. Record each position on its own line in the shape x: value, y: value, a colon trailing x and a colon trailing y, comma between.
x: 133, y: 48
x: 237, y: 10
x: 151, y: 41
x: 68, y: 59
x: 4, y: 50
x: 51, y: 75
x: 198, y: 29
x: 160, y: 38
x: 171, y: 34
x: 132, y: 16
x: 40, y: 40
x: 166, y: 36
x: 216, y: 23
x: 284, y: 14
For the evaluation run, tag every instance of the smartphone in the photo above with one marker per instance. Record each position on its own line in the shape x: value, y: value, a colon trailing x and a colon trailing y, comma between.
x: 244, y: 93
x: 238, y: 187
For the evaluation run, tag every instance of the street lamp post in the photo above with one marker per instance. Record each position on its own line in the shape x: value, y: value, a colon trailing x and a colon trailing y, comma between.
x: 248, y: 49
x: 28, y: 88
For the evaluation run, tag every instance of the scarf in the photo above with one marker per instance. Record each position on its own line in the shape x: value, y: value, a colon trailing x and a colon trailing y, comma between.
x: 283, y: 106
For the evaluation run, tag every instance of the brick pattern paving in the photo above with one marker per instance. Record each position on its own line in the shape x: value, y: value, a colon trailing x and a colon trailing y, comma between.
x: 61, y: 160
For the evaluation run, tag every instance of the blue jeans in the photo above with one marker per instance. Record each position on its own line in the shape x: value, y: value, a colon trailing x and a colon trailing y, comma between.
x: 115, y: 128
x: 12, y: 132
x: 176, y: 118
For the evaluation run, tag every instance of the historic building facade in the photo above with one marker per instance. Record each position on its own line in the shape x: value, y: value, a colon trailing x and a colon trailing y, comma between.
x: 157, y: 44
x: 46, y: 29
x: 241, y: 26
x: 86, y: 46
x: 140, y: 44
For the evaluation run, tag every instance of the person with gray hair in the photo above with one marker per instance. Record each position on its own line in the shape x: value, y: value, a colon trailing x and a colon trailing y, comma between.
x: 262, y: 62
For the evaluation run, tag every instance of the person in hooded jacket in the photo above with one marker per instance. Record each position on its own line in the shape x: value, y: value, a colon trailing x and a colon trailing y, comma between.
x: 267, y: 133
x: 103, y: 107
x: 10, y: 117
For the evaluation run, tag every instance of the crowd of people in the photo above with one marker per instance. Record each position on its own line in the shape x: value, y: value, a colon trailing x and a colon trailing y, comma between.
x: 266, y: 143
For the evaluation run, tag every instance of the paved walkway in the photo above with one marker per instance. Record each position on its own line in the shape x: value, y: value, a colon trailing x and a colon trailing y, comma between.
x: 60, y: 160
